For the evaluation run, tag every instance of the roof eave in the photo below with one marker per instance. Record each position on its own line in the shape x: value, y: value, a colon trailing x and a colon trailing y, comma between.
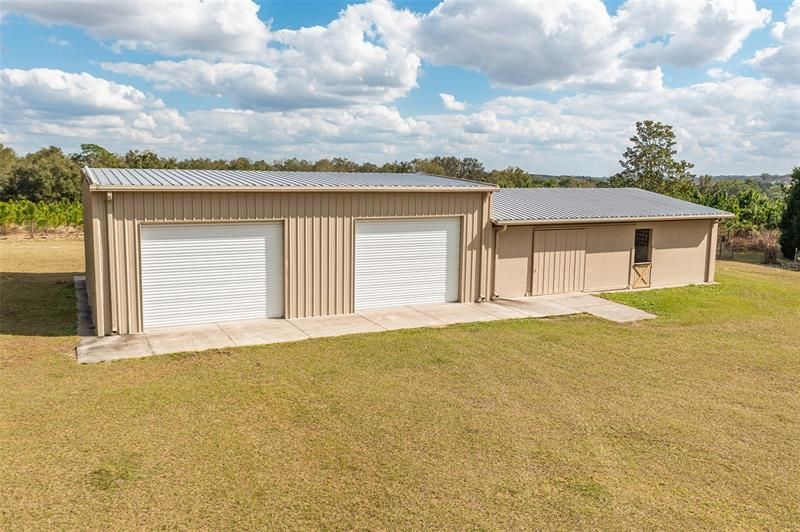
x: 565, y: 221
x: 131, y: 188
x: 87, y: 173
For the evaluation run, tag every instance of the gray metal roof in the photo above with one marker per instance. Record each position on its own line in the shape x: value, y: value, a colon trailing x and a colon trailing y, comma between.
x: 136, y: 178
x: 551, y: 205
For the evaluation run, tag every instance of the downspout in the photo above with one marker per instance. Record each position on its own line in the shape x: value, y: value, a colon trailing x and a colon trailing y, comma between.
x: 484, y: 270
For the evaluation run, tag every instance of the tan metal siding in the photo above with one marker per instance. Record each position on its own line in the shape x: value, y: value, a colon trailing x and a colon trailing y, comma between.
x: 608, y: 257
x: 683, y: 253
x: 558, y: 261
x: 318, y: 240
x: 514, y: 247
x: 712, y: 252
x: 680, y: 252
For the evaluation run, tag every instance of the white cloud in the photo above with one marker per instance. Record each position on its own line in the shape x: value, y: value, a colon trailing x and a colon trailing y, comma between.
x: 687, y: 34
x: 726, y: 126
x: 360, y: 58
x: 578, y: 44
x: 718, y: 73
x: 450, y: 103
x: 41, y: 105
x: 782, y: 62
x: 327, y: 91
x: 209, y: 28
x: 520, y: 44
x: 57, y: 93
x: 371, y: 53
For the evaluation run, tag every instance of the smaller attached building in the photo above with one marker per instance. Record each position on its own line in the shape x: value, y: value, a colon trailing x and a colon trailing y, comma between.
x: 555, y: 240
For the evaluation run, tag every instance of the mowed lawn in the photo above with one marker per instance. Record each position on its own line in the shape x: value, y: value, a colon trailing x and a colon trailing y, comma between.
x: 691, y: 420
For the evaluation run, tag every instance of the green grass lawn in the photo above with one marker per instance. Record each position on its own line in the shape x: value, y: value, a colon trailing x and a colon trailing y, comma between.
x: 687, y: 421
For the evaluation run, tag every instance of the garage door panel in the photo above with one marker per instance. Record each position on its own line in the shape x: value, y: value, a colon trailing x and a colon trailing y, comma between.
x: 203, y: 273
x: 402, y: 262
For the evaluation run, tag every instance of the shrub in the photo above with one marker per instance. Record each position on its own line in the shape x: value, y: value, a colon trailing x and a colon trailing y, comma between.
x: 768, y: 241
x: 41, y: 215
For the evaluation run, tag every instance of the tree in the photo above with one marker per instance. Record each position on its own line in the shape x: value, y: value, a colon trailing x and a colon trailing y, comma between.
x: 46, y: 175
x: 650, y: 164
x: 240, y: 163
x: 148, y: 159
x: 292, y: 165
x: 790, y: 222
x: 511, y: 177
x: 96, y: 156
x: 466, y: 168
x: 8, y: 161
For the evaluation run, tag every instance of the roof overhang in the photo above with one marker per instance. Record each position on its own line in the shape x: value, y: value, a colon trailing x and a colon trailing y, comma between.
x: 566, y: 221
x: 94, y: 187
x: 123, y: 188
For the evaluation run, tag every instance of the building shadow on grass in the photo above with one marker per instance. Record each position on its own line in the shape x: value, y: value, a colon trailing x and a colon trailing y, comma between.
x: 37, y: 304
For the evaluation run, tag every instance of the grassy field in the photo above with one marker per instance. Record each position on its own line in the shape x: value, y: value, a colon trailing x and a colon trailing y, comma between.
x: 688, y: 421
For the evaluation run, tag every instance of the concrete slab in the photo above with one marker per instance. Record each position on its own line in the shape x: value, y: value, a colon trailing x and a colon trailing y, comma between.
x: 501, y: 312
x: 581, y: 301
x: 459, y: 313
x: 335, y: 325
x: 257, y: 332
x: 401, y: 318
x: 194, y: 338
x: 85, y: 322
x: 267, y: 331
x: 99, y: 349
x: 619, y: 313
x: 533, y: 307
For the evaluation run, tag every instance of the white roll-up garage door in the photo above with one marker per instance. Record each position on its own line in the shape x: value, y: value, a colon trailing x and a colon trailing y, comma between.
x: 203, y: 273
x: 403, y: 262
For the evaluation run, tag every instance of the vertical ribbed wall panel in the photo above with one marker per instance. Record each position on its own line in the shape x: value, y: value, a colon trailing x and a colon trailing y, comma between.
x: 318, y: 244
x: 559, y: 258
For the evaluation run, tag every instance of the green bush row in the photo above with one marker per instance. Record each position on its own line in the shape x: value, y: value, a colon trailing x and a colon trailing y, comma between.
x: 40, y: 215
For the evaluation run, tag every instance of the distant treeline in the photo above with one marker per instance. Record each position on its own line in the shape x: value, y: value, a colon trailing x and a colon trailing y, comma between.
x: 51, y: 176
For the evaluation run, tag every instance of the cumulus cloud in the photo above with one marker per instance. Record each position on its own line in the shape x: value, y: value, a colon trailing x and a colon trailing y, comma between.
x: 577, y: 43
x: 450, y: 103
x: 361, y: 57
x: 782, y: 62
x: 372, y: 52
x: 517, y: 43
x: 54, y: 92
x: 208, y: 28
x: 718, y: 73
x: 328, y: 90
x: 42, y: 104
x: 687, y: 34
x: 734, y: 125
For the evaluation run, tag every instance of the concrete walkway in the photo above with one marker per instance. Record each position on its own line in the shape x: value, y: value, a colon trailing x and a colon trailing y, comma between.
x: 257, y: 332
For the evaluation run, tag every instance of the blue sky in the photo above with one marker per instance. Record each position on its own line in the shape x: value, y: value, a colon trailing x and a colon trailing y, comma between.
x: 550, y: 87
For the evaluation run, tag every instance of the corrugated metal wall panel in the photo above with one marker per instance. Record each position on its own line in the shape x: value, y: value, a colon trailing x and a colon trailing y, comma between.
x: 202, y: 273
x: 558, y: 261
x: 513, y: 249
x: 404, y: 262
x: 312, y: 249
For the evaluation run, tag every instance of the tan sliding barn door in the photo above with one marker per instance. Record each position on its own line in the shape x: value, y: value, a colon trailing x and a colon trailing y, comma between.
x: 559, y: 260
